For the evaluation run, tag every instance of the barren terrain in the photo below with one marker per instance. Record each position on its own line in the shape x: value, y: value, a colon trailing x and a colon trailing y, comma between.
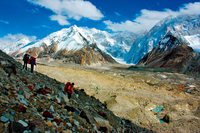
x: 134, y: 94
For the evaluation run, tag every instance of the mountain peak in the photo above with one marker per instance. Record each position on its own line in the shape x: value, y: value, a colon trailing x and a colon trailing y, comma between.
x: 74, y: 27
x: 185, y: 28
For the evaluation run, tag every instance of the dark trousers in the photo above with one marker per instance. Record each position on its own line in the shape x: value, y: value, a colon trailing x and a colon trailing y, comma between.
x: 32, y: 67
x: 25, y: 65
x: 69, y: 95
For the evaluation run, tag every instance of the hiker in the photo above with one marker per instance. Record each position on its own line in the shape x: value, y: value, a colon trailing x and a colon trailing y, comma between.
x: 32, y: 61
x: 66, y: 86
x: 69, y: 89
x: 25, y: 59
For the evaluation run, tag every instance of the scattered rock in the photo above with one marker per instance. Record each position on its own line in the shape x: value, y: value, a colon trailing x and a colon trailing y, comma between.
x: 23, y: 123
x: 4, y: 119
x: 35, y: 103
x: 47, y: 114
x: 49, y: 123
x: 21, y: 108
x: 17, y: 127
x: 67, y: 131
x: 166, y: 119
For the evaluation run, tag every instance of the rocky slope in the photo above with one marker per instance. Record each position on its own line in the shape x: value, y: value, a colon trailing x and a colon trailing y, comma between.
x: 186, y: 28
x: 137, y: 94
x: 35, y: 103
x: 172, y: 54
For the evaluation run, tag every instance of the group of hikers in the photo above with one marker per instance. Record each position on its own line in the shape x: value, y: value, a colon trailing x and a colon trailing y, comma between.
x: 32, y: 61
x: 29, y: 60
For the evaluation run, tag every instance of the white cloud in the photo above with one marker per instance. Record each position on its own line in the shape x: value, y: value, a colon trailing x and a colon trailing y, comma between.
x: 45, y: 26
x: 148, y: 18
x: 11, y: 43
x: 70, y: 9
x: 62, y: 20
x: 118, y: 14
x: 3, y: 21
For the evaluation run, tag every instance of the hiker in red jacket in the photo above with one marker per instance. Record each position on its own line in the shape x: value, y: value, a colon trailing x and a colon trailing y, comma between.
x: 69, y: 89
x: 66, y: 87
x: 32, y: 61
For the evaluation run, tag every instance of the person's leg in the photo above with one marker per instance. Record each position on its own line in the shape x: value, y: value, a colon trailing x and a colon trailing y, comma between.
x: 69, y: 95
x: 26, y: 66
x: 32, y: 68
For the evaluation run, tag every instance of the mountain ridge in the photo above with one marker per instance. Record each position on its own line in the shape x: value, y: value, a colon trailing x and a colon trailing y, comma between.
x: 75, y: 38
x: 183, y: 27
x: 172, y: 54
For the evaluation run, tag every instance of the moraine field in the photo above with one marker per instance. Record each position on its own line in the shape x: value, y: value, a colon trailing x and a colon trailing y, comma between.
x: 136, y: 94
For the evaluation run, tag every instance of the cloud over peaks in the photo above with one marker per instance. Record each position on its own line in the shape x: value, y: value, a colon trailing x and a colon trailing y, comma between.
x: 5, y: 22
x: 148, y: 18
x: 70, y: 9
x: 62, y: 20
x: 13, y: 42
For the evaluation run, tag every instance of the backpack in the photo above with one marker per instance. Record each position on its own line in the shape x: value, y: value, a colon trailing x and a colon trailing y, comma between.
x: 32, y: 61
x: 67, y: 86
x: 70, y: 88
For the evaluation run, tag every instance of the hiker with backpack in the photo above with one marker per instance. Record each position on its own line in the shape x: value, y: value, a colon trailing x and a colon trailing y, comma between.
x: 69, y: 89
x: 32, y: 61
x: 25, y: 59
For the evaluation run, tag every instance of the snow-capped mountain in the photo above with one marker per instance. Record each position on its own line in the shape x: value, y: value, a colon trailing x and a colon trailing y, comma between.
x: 173, y: 54
x: 13, y: 43
x: 75, y: 38
x: 186, y: 28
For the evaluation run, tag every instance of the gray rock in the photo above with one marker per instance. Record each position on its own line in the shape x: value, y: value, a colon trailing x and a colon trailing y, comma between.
x: 4, y: 119
x: 9, y: 116
x: 23, y: 123
x: 69, y: 124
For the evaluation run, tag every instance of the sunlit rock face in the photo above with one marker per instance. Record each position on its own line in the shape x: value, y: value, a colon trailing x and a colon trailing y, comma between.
x: 172, y: 54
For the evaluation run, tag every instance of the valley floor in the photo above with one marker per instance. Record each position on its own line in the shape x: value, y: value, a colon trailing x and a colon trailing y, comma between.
x: 136, y: 95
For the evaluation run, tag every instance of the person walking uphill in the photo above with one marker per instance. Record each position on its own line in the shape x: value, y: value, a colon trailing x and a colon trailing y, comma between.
x: 25, y: 59
x: 69, y: 89
x: 32, y: 61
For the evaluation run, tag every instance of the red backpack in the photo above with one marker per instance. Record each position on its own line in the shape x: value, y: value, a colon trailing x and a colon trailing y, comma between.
x: 70, y: 88
x: 32, y: 60
x: 66, y: 86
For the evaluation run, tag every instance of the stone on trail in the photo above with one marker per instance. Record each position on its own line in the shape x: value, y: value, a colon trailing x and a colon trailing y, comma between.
x: 17, y: 127
x: 49, y: 123
x: 23, y: 123
x: 67, y: 131
x: 4, y: 119
x: 47, y: 114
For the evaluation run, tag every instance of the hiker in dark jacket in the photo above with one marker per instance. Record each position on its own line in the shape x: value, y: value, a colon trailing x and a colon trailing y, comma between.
x: 25, y: 59
x: 32, y: 61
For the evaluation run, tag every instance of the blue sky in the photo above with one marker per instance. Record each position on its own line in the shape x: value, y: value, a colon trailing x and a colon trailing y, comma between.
x: 39, y: 18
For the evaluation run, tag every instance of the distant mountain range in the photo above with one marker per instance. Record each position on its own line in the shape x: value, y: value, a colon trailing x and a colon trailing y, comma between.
x: 172, y: 54
x: 186, y: 28
x: 73, y: 41
x: 91, y: 46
